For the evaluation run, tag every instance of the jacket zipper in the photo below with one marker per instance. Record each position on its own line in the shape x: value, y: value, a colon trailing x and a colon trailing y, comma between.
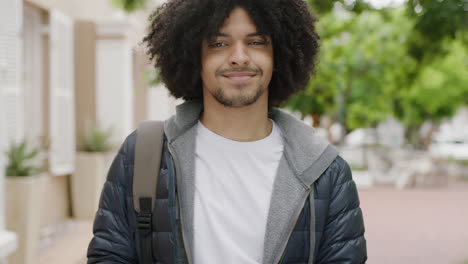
x: 187, y: 249
x: 291, y: 229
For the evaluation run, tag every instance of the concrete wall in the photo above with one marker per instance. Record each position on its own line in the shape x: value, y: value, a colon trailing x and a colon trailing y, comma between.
x: 56, y: 206
x: 85, y: 76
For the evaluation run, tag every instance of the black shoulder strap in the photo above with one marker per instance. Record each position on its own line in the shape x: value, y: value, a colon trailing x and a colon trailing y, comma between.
x: 149, y: 143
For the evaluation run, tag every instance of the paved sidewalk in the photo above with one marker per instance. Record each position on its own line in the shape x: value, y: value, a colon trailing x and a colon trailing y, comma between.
x: 69, y: 248
x: 414, y: 226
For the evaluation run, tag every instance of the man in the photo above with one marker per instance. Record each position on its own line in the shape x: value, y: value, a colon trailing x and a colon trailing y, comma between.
x: 244, y: 182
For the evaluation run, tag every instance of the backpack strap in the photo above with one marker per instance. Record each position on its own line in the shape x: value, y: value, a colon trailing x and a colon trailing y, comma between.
x: 149, y: 144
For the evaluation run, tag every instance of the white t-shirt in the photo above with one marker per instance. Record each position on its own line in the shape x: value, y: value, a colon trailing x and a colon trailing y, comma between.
x: 233, y: 186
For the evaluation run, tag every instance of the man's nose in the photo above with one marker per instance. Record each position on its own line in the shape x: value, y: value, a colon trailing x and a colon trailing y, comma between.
x: 239, y: 55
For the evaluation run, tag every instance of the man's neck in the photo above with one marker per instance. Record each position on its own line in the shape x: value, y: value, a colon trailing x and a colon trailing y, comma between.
x: 248, y: 123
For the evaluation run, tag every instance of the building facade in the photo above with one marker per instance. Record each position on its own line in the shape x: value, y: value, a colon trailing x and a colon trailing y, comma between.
x: 66, y: 66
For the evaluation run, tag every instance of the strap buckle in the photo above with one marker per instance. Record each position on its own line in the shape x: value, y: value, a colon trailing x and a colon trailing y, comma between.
x: 145, y: 214
x: 144, y: 221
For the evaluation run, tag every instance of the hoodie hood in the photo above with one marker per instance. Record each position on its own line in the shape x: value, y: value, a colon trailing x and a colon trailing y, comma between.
x: 306, y: 156
x: 304, y: 149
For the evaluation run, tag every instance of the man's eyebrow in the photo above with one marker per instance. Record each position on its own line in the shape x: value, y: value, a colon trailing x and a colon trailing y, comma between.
x: 218, y: 34
x: 221, y: 34
x: 256, y: 34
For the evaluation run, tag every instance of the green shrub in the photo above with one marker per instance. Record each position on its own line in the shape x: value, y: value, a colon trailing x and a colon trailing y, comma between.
x: 21, y: 159
x: 462, y: 162
x: 97, y: 140
x: 129, y: 5
x: 357, y: 168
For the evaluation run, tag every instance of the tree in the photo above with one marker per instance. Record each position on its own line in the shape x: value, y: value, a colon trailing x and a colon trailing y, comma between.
x: 434, y: 90
x: 362, y: 63
x: 436, y: 22
x: 387, y: 61
x: 439, y: 90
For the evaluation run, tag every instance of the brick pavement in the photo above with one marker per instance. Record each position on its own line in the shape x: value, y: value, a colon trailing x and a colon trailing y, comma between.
x: 416, y: 226
x: 413, y: 226
x: 69, y: 248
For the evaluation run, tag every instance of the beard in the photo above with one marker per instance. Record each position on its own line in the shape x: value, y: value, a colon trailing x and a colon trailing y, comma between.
x: 240, y: 98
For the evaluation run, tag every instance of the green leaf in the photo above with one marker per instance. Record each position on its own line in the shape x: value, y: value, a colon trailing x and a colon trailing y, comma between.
x: 97, y: 140
x: 129, y: 5
x: 20, y: 159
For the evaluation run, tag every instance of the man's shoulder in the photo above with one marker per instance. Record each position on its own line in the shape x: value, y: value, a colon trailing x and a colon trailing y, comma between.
x: 335, y: 175
x: 340, y: 170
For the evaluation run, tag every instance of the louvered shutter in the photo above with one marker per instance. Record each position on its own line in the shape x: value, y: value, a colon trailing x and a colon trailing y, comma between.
x: 62, y: 113
x: 11, y: 94
x: 33, y: 70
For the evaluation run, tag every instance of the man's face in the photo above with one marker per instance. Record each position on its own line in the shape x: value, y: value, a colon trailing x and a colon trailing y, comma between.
x: 237, y: 63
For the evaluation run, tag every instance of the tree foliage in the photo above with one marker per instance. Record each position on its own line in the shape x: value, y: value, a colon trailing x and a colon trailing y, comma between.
x: 409, y: 62
x: 441, y: 87
x: 436, y: 22
x: 129, y: 5
x: 362, y: 64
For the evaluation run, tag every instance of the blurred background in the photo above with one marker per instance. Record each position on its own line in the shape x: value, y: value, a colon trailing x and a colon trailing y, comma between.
x: 390, y: 91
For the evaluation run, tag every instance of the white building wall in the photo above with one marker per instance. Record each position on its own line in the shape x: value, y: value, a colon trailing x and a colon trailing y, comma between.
x: 160, y: 104
x: 114, y: 97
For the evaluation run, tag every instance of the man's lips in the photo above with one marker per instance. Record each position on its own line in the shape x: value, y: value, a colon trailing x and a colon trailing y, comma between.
x: 239, y: 77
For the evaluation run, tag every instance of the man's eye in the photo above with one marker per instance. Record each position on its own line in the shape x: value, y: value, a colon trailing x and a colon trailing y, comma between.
x: 216, y: 45
x: 257, y: 43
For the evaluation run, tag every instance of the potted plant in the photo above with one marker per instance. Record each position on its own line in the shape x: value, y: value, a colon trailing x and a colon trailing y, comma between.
x: 24, y: 187
x: 92, y: 162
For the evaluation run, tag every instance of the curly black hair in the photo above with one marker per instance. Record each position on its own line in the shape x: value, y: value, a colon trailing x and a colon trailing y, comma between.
x: 179, y: 27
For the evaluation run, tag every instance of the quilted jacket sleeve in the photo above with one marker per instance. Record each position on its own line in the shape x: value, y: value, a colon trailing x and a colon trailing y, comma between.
x: 113, y: 238
x: 343, y: 239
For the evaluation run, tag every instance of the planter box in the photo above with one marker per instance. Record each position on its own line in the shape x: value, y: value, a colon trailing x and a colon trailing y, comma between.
x: 8, y: 244
x: 87, y: 182
x: 23, y: 211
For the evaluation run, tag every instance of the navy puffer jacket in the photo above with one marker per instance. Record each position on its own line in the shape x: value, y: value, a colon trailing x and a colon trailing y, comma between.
x: 339, y: 227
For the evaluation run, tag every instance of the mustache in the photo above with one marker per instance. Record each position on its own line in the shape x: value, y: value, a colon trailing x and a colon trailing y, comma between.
x: 239, y: 69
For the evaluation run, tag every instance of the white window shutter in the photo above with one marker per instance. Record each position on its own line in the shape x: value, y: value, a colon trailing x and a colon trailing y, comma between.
x: 62, y: 109
x: 11, y: 91
x: 114, y: 95
x: 33, y: 70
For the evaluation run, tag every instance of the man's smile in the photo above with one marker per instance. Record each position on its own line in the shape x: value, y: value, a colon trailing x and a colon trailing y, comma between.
x: 239, y: 77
